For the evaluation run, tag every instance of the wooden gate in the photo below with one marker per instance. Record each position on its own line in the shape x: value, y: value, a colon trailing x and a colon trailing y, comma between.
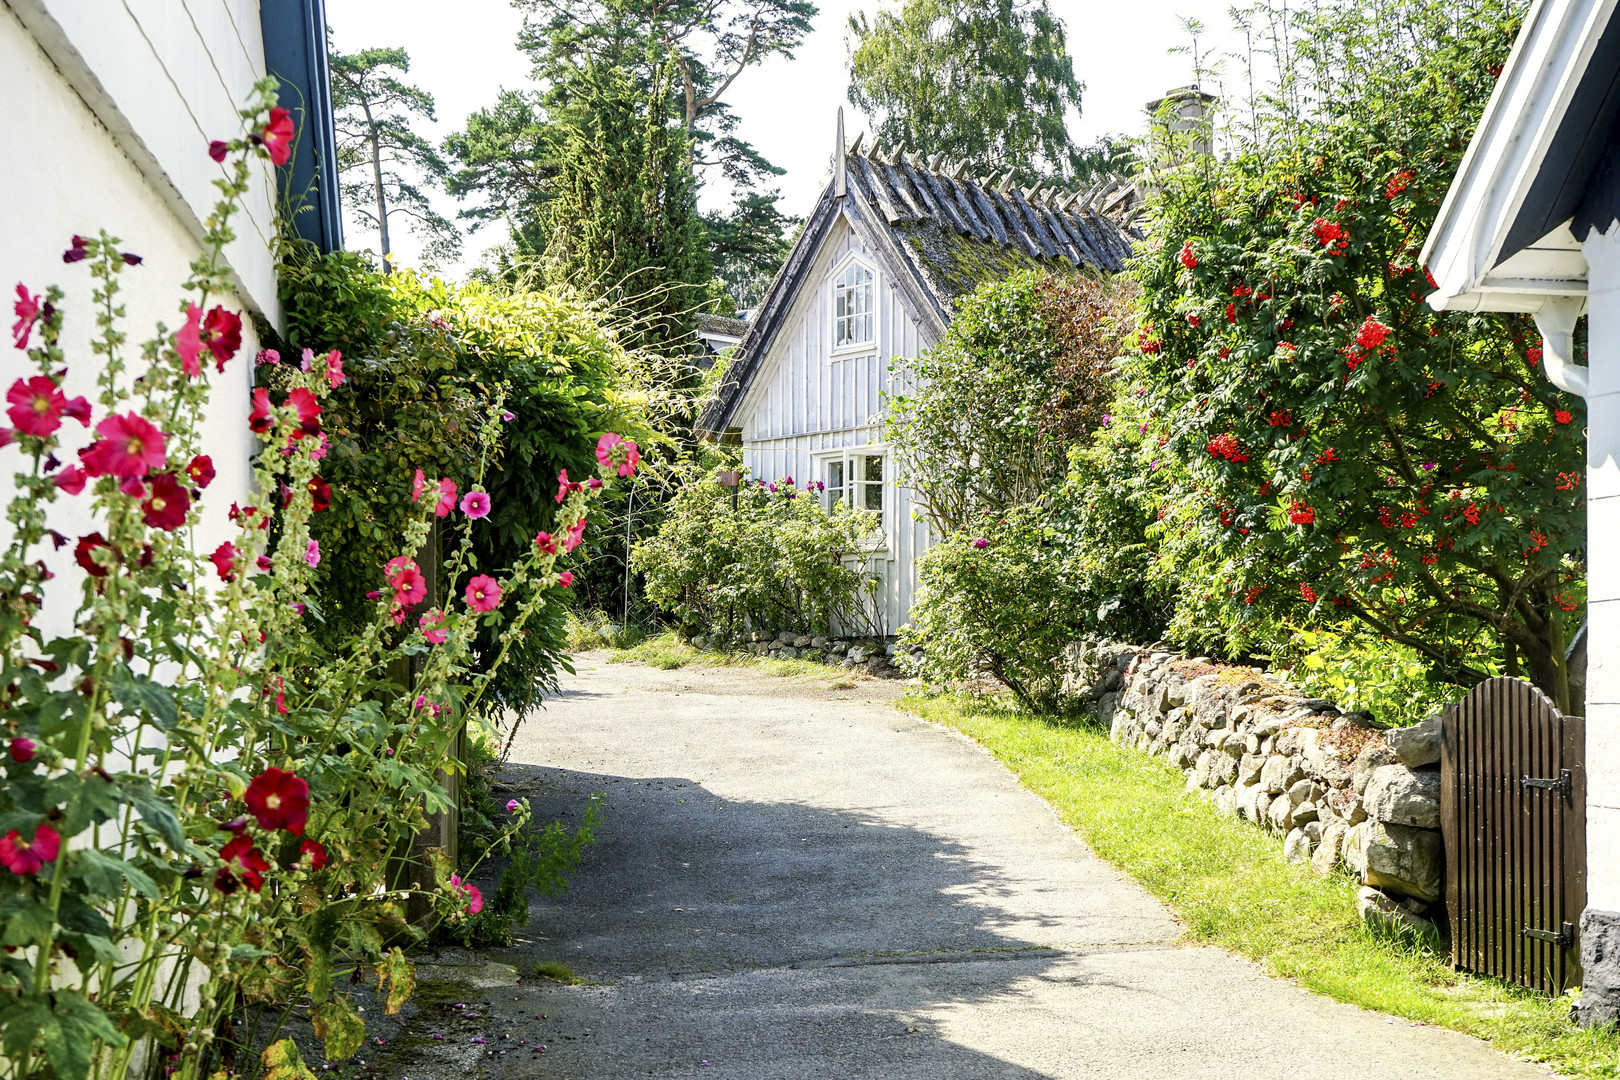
x: 1513, y: 813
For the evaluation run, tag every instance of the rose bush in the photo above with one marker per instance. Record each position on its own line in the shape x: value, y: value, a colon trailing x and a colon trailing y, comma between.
x: 203, y: 807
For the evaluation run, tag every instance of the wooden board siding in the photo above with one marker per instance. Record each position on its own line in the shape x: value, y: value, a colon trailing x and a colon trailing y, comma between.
x: 804, y: 401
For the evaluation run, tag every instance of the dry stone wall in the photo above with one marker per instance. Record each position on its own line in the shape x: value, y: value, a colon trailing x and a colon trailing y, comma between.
x: 1339, y: 791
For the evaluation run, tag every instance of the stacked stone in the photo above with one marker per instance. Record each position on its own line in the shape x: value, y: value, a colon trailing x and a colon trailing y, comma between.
x: 881, y: 657
x: 1338, y: 790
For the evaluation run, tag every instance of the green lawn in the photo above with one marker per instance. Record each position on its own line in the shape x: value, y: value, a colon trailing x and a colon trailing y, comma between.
x: 1229, y: 883
x: 669, y: 652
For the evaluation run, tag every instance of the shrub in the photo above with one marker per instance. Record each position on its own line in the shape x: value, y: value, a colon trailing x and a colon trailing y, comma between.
x: 776, y: 559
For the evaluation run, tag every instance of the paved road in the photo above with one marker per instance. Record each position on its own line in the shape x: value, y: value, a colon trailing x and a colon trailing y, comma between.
x: 793, y: 881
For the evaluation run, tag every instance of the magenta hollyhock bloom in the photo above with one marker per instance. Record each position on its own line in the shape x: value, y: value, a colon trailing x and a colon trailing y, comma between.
x: 576, y: 533
x: 566, y: 578
x: 166, y: 503
x: 268, y: 356
x: 78, y: 409
x: 201, y: 470
x: 222, y: 332
x: 418, y: 485
x: 37, y: 405
x: 433, y: 628
x: 277, y: 135
x: 129, y: 447
x: 260, y: 420
x: 71, y: 479
x: 475, y: 899
x: 217, y: 149
x: 309, y: 412
x: 475, y: 504
x: 312, y: 553
x: 278, y: 800
x: 27, y: 856
x: 483, y: 593
x: 27, y: 309
x: 320, y: 495
x: 981, y: 542
x: 565, y: 487
x: 615, y: 452
x: 188, y: 342
x: 22, y: 749
x: 447, y: 498
x: 263, y: 563
x: 512, y: 806
x: 545, y: 542
x: 224, y: 560
x: 334, y: 369
x: 407, y: 581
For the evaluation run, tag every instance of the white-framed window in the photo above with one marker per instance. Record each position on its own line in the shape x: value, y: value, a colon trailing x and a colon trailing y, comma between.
x: 854, y: 306
x: 854, y: 478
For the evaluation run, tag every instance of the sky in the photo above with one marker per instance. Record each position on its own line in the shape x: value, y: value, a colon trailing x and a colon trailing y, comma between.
x: 1122, y: 52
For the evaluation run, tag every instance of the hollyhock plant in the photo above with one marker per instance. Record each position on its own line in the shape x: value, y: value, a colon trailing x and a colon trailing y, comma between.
x: 224, y: 560
x: 201, y: 471
x: 433, y: 626
x: 166, y: 503
x: 244, y: 865
x: 406, y: 579
x: 71, y: 479
x: 27, y: 856
x: 615, y: 452
x: 37, y: 405
x: 315, y: 851
x: 27, y: 309
x: 267, y: 356
x: 447, y: 498
x: 545, y: 542
x: 82, y: 554
x: 566, y: 578
x: 565, y: 487
x: 309, y: 412
x: 418, y: 485
x: 278, y: 800
x: 483, y: 593
x: 576, y: 533
x: 312, y: 553
x: 129, y: 447
x: 475, y: 504
x: 222, y: 332
x: 188, y: 342
x: 218, y: 149
x: 334, y: 369
x: 277, y: 136
x: 320, y: 494
x: 260, y: 420
x: 475, y: 899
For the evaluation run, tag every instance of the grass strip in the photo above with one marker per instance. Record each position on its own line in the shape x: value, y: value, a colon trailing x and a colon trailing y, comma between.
x: 669, y: 652
x: 1229, y: 883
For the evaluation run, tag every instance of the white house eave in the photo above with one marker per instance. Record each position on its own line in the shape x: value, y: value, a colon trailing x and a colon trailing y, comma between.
x: 1530, y: 98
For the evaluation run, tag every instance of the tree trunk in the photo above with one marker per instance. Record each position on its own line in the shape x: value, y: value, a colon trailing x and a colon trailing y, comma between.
x: 382, y: 197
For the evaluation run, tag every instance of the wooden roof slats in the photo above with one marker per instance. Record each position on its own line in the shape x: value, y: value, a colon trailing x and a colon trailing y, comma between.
x: 988, y: 211
x: 1016, y: 224
x: 1070, y: 246
x: 880, y: 192
x: 1099, y: 254
x: 964, y: 202
x: 909, y: 170
x: 902, y: 188
x: 946, y: 203
x: 1037, y: 229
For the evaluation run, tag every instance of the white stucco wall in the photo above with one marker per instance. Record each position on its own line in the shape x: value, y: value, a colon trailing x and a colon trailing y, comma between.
x: 64, y: 171
x: 1603, y: 571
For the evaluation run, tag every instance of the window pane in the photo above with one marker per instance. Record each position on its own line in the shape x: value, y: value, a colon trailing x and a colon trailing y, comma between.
x: 874, y: 468
x: 874, y: 496
x: 835, y: 474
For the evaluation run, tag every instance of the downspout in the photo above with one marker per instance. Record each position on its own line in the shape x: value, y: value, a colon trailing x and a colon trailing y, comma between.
x: 1556, y: 321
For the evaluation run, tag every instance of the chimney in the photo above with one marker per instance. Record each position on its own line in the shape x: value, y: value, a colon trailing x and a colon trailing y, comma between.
x: 1181, y: 126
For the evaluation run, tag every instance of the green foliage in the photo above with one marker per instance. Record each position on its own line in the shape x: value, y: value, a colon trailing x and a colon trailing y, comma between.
x: 505, y: 159
x: 422, y: 358
x: 997, y: 598
x: 986, y: 83
x: 1360, y: 671
x: 778, y: 560
x: 748, y: 245
x: 382, y: 162
x: 535, y: 860
x: 1347, y: 451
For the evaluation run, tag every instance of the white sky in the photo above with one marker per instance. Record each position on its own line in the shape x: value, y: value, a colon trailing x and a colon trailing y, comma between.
x: 1121, y: 51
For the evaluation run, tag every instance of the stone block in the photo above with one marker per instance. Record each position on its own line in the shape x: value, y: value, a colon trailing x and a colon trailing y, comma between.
x: 1327, y: 853
x: 1375, y: 755
x: 1400, y: 859
x: 802, y: 641
x: 1280, y: 814
x: 1262, y: 805
x: 1279, y: 773
x: 1204, y: 767
x: 1401, y: 796
x: 786, y: 637
x: 1297, y: 846
x: 1226, y: 800
x: 1393, y: 913
x: 1418, y: 745
x: 1306, y: 812
x: 1224, y: 771
x: 1599, y: 1005
x: 787, y: 652
x: 818, y: 642
x: 1249, y: 768
x: 1246, y: 794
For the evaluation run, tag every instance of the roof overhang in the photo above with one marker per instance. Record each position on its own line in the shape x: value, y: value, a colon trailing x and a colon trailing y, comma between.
x: 1502, y: 240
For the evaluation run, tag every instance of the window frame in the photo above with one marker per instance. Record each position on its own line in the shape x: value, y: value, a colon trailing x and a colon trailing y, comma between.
x: 850, y: 457
x: 860, y: 348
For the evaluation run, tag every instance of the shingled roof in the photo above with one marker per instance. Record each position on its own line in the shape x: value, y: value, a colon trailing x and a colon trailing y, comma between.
x: 939, y: 233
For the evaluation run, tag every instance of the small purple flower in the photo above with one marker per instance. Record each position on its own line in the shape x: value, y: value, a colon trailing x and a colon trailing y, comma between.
x: 788, y: 481
x: 1108, y: 418
x: 1155, y: 464
x: 436, y: 1037
x: 308, y: 359
x: 512, y: 806
x: 1428, y: 466
x: 773, y: 488
x: 130, y: 258
x: 981, y: 542
x: 268, y: 356
x: 508, y: 416
x: 478, y: 1040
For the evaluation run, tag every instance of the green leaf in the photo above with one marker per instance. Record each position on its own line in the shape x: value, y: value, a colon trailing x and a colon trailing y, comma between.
x: 158, y: 813
x: 340, y: 1027
x: 282, y: 1062
x: 137, y: 693
x: 101, y: 872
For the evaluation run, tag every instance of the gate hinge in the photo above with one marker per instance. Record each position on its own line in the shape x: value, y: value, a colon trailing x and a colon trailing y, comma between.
x: 1563, y: 785
x: 1564, y: 939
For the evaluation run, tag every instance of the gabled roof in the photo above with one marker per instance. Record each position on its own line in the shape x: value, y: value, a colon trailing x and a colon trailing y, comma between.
x: 1535, y: 166
x: 938, y: 233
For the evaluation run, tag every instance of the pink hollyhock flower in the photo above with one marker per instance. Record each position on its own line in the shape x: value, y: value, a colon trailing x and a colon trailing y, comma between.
x: 222, y: 332
x: 263, y: 563
x: 410, y: 587
x: 27, y: 856
x: 22, y: 749
x: 483, y: 593
x: 129, y: 447
x: 334, y: 369
x: 278, y: 800
x: 475, y: 504
x: 418, y: 485
x: 224, y: 560
x: 312, y: 553
x: 188, y: 342
x: 475, y: 899
x: 260, y: 420
x: 37, y: 405
x: 201, y: 470
x: 217, y: 150
x: 71, y: 479
x: 268, y: 356
x: 447, y: 498
x: 321, y: 448
x: 614, y: 452
x: 277, y: 136
x: 316, y: 852
x: 240, y: 857
x: 166, y: 503
x: 78, y: 409
x: 433, y: 627
x: 981, y: 542
x: 512, y: 806
x: 27, y: 309
x: 545, y: 542
x: 309, y: 412
x: 576, y: 533
x: 133, y: 486
x: 566, y: 578
x: 306, y: 361
x: 565, y: 487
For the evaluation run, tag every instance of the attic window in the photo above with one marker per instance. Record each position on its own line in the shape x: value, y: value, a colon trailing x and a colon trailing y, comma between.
x: 853, y: 296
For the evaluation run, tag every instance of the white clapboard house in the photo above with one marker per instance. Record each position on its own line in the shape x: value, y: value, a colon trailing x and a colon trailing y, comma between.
x: 894, y: 244
x: 1532, y: 224
x: 106, y: 112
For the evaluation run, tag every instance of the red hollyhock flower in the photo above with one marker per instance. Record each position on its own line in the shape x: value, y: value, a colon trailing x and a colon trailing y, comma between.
x: 166, y: 503
x: 406, y: 579
x: 241, y: 858
x: 321, y: 494
x: 277, y: 135
x: 260, y: 419
x: 545, y: 542
x: 71, y: 479
x: 27, y: 856
x: 278, y: 800
x: 201, y: 470
x: 309, y: 412
x: 78, y: 409
x: 224, y: 560
x: 27, y: 309
x: 218, y: 149
x: 222, y: 332
x: 37, y: 405
x: 1188, y: 259
x: 576, y: 533
x: 316, y: 852
x: 188, y: 342
x: 129, y: 447
x: 566, y: 578
x: 565, y: 487
x: 82, y: 550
